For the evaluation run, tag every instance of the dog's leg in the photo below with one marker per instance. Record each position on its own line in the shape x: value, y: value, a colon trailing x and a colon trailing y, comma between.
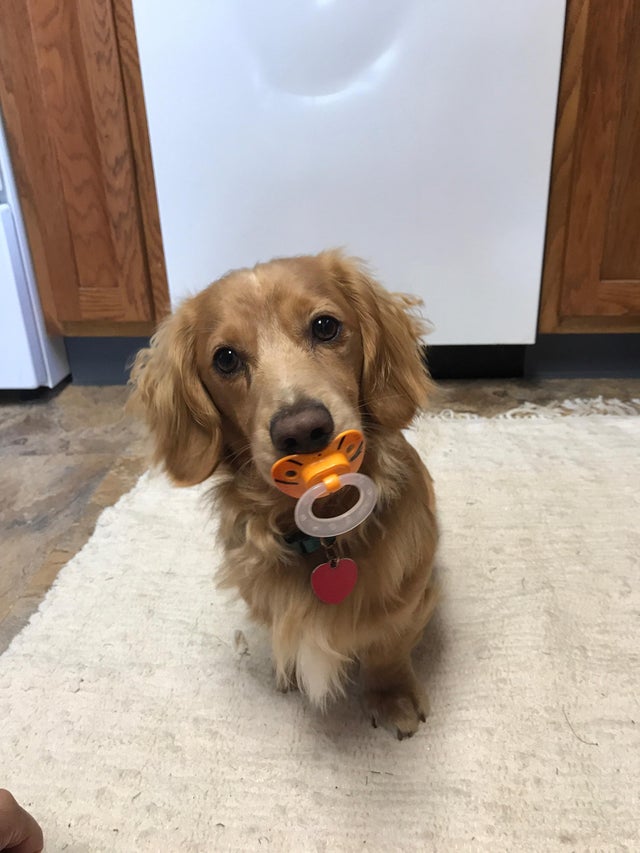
x: 392, y: 696
x: 320, y: 670
x: 286, y: 681
x: 317, y: 669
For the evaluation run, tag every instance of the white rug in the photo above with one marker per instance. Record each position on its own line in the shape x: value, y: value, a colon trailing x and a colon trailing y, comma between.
x: 134, y: 716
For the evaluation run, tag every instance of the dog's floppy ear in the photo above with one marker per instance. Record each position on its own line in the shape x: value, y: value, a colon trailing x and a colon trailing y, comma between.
x: 395, y: 382
x: 166, y: 388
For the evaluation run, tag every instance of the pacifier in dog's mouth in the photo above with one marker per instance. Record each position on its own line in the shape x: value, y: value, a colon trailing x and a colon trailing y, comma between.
x: 309, y: 476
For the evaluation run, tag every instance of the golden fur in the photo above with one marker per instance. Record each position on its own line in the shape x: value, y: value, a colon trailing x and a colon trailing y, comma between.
x: 371, y: 378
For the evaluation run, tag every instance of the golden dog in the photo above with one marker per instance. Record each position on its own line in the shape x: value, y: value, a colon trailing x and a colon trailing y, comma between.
x: 280, y: 359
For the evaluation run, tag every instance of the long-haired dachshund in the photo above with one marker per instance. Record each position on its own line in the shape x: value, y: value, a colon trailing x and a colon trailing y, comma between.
x: 280, y: 359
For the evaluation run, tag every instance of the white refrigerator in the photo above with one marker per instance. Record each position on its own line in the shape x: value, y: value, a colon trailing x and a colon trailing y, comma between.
x: 29, y: 356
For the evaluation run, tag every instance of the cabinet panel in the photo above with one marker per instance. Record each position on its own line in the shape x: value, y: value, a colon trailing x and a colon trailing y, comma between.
x: 592, y: 265
x: 65, y: 106
x: 621, y: 256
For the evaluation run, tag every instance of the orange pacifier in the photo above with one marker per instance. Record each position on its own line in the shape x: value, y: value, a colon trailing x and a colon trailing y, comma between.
x: 309, y: 476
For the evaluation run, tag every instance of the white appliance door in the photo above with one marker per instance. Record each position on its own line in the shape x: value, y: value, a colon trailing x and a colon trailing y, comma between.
x: 20, y: 367
x: 415, y: 133
x: 29, y: 357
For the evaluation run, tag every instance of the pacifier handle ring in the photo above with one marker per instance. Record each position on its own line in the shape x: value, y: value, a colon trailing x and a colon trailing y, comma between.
x: 309, y: 523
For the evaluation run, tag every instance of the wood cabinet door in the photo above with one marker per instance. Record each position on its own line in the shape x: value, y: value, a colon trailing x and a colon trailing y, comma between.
x: 75, y: 121
x: 591, y: 276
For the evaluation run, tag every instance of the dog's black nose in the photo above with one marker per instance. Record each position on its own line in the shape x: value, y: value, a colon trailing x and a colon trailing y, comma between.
x: 302, y: 428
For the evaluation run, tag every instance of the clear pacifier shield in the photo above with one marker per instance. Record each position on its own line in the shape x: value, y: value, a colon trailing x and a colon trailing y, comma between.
x: 310, y: 524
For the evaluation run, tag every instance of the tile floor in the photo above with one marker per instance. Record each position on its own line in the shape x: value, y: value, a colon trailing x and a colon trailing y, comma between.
x: 68, y: 454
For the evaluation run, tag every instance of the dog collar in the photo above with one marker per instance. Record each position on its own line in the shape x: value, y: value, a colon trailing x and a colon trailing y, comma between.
x: 305, y: 544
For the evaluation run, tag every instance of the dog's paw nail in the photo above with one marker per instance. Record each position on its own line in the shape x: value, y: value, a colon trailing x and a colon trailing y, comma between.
x: 373, y: 722
x: 422, y: 717
x: 400, y: 734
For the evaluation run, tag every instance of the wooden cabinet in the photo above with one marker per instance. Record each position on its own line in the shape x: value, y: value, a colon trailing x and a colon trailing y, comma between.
x: 591, y: 279
x: 72, y: 102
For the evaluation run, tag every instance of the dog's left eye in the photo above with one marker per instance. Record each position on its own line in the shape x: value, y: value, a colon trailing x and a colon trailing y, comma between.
x: 325, y: 328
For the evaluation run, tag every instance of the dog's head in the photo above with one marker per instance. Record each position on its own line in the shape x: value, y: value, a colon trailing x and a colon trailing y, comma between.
x: 278, y: 360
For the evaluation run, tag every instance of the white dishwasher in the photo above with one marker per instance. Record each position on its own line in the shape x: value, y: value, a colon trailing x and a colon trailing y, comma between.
x: 415, y: 133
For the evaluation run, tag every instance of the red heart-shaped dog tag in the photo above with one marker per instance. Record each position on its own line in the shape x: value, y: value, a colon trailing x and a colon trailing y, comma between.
x: 332, y: 582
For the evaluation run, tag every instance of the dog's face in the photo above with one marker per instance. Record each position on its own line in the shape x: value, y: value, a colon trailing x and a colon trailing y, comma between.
x: 278, y: 360
x: 281, y: 360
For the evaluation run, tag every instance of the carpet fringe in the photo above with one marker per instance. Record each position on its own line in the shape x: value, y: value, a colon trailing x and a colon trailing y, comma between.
x: 578, y: 407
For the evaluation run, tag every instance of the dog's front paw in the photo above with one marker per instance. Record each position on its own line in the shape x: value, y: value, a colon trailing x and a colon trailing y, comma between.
x: 398, y: 709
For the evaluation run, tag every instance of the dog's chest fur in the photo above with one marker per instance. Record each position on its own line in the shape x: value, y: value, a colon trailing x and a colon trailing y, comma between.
x: 313, y: 643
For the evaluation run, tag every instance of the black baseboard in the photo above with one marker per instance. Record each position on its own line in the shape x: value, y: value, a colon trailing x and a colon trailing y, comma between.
x: 105, y: 361
x: 102, y: 361
x: 583, y: 356
x: 32, y: 395
x: 476, y: 362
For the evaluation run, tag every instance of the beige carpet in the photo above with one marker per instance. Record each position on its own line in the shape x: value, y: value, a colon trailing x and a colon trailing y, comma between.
x: 137, y: 709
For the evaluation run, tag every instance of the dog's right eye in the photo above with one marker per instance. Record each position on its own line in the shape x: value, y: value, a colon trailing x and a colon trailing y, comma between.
x: 226, y: 360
